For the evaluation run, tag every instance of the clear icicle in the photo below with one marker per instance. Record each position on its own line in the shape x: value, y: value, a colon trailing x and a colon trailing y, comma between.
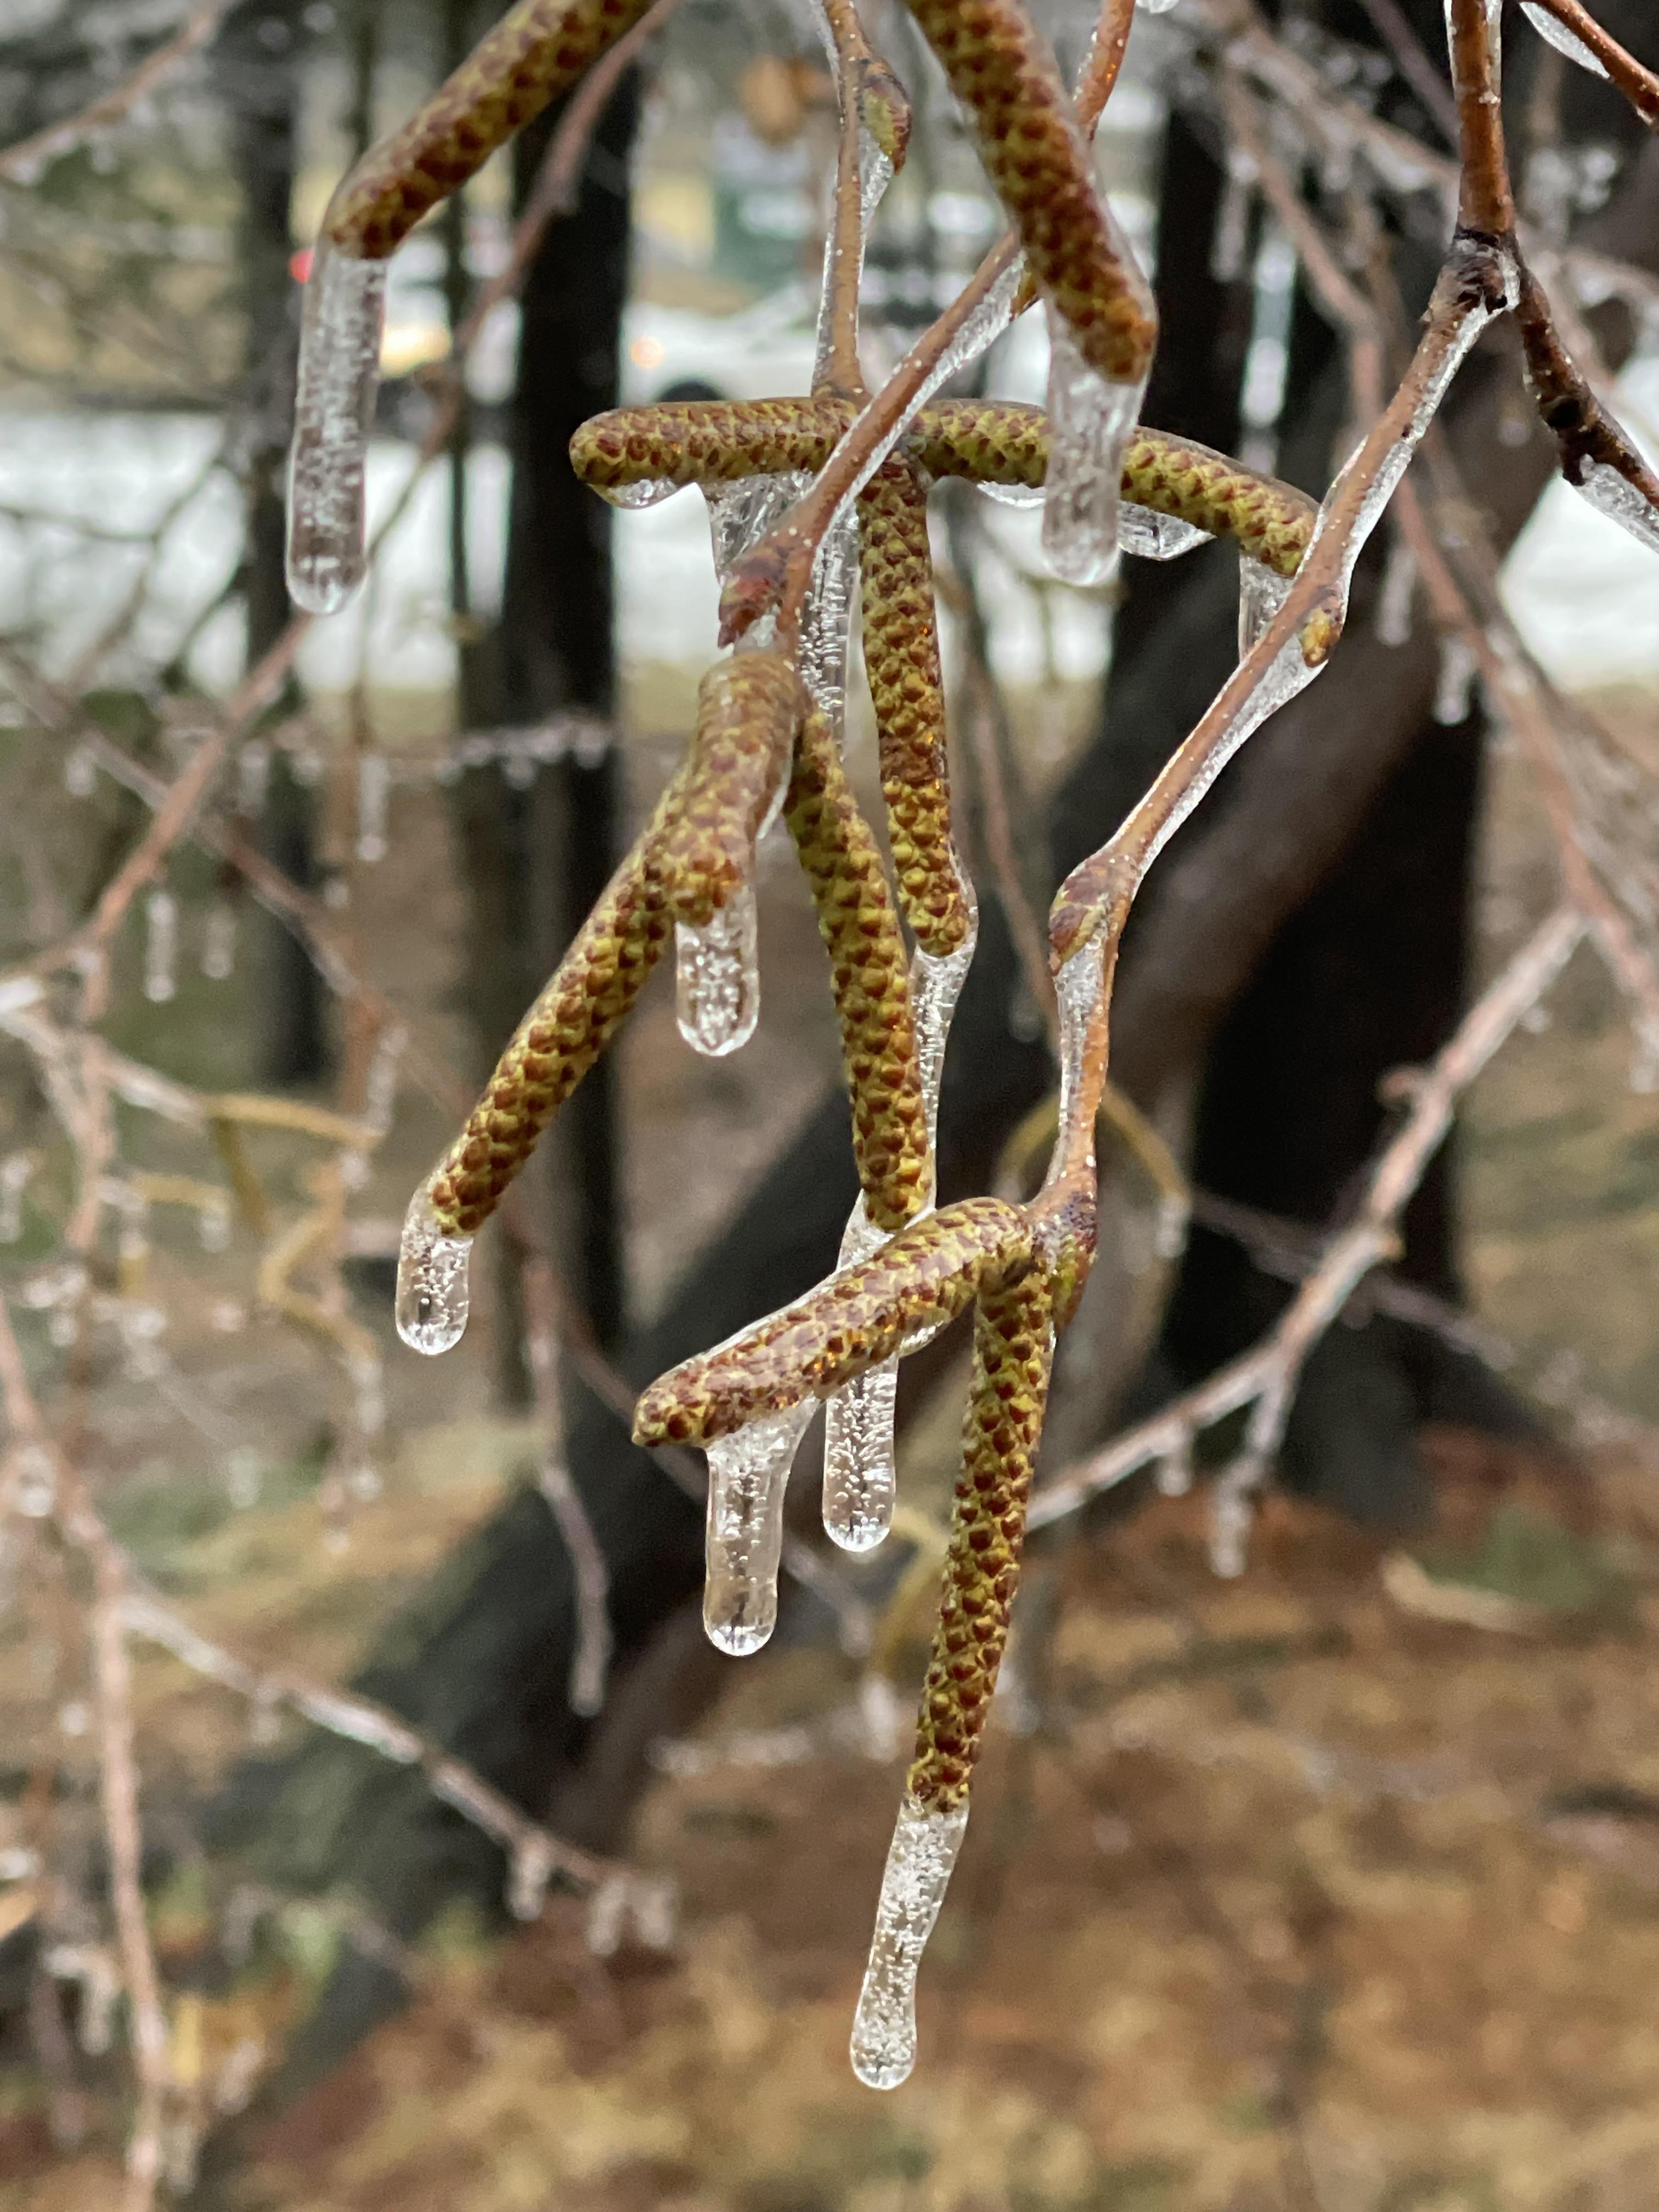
x: 861, y: 1479
x: 1175, y: 1469
x: 1618, y: 498
x: 219, y: 942
x: 1091, y: 421
x: 1153, y: 537
x: 433, y: 1297
x: 1453, y: 690
x: 252, y: 777
x: 1560, y: 36
x: 374, y: 794
x: 919, y: 1863
x: 333, y: 414
x: 1394, y: 600
x: 747, y: 1476
x: 740, y: 515
x: 1262, y: 592
x: 160, y: 946
x: 80, y: 772
x: 717, y: 977
x: 826, y: 620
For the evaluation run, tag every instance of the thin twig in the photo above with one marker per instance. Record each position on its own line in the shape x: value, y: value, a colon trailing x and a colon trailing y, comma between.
x: 21, y: 164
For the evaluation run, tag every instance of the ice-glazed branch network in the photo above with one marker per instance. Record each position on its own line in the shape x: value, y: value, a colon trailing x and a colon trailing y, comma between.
x: 806, y: 494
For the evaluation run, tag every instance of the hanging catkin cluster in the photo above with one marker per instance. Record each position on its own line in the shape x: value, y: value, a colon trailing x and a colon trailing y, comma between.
x: 767, y: 740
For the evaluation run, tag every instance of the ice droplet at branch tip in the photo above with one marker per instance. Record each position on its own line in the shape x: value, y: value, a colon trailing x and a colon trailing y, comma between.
x: 433, y: 1294
x: 920, y: 1862
x: 333, y: 414
x: 747, y: 1476
x: 717, y: 977
x: 1091, y: 422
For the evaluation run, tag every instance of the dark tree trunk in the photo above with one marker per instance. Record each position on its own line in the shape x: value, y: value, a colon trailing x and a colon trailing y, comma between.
x: 257, y: 60
x: 534, y: 860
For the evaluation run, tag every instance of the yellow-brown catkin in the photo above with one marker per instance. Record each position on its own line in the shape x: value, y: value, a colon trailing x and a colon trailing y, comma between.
x: 1012, y: 1352
x: 561, y: 1035
x: 536, y: 50
x: 748, y: 710
x: 860, y: 932
x: 901, y: 658
x: 922, y: 1278
x: 1000, y: 442
x: 707, y: 442
x: 1038, y: 160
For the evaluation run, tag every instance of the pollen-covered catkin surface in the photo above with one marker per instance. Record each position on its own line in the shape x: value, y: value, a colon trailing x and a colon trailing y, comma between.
x: 562, y: 1035
x: 707, y: 442
x: 1002, y: 71
x: 748, y: 710
x: 868, y: 967
x: 924, y: 1277
x: 536, y: 50
x: 1012, y: 1353
x: 1002, y: 442
x: 901, y: 658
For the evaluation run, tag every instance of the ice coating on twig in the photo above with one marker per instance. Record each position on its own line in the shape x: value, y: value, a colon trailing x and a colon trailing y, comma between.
x: 747, y: 1476
x: 1262, y: 592
x: 826, y: 620
x: 1560, y: 36
x: 919, y: 1863
x: 333, y: 414
x: 741, y: 514
x: 1153, y: 537
x: 1091, y: 421
x: 717, y: 976
x: 859, y: 1469
x: 875, y: 175
x: 1617, y: 497
x: 433, y: 1297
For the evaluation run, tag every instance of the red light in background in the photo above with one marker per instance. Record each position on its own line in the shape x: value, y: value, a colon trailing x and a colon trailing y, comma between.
x: 299, y: 265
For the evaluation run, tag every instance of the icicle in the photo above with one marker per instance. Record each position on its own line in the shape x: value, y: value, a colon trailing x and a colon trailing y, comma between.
x: 826, y: 621
x: 1644, y: 1057
x: 213, y: 1226
x: 1393, y: 601
x: 80, y: 772
x: 1232, y: 228
x: 740, y: 515
x: 1090, y: 424
x: 1175, y: 1470
x: 1262, y: 592
x: 15, y: 1172
x: 1618, y: 498
x: 219, y: 942
x: 1453, y: 690
x: 433, y: 1297
x: 650, y: 491
x: 1171, y: 1223
x: 860, y: 1478
x: 34, y: 1481
x: 1153, y: 537
x: 374, y: 792
x: 333, y: 414
x: 1013, y: 495
x: 1156, y: 7
x: 161, y: 944
x: 875, y: 175
x: 529, y: 1870
x: 606, y: 1912
x: 748, y: 1475
x: 920, y: 1862
x: 717, y: 977
x: 1560, y: 38
x: 380, y: 1084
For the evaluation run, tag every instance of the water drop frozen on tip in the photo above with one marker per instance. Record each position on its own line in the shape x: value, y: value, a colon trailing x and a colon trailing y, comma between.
x: 433, y: 1294
x: 748, y: 1477
x: 1091, y: 421
x: 717, y: 977
x: 333, y: 414
x: 1150, y: 536
x: 859, y: 1475
x: 920, y: 1862
x: 650, y: 491
x: 1615, y: 496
